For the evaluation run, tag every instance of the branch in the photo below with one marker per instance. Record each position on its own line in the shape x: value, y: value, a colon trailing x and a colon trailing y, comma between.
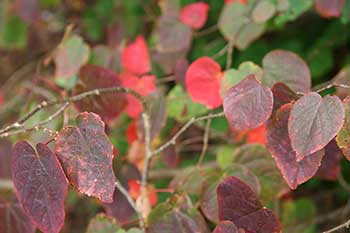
x: 205, y: 142
x: 172, y: 141
x: 333, y: 85
x: 230, y: 49
x: 344, y: 225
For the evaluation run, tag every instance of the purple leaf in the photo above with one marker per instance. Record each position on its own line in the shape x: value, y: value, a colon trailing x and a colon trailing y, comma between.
x: 313, y: 122
x: 278, y: 143
x: 86, y: 155
x: 40, y: 185
x: 226, y: 227
x: 248, y: 104
x: 282, y: 94
x: 239, y: 204
x: 330, y: 166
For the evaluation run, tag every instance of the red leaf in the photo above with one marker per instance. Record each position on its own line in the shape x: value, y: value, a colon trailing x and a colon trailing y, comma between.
x: 203, y: 82
x: 282, y: 95
x: 135, y: 191
x: 86, y: 155
x: 144, y: 86
x: 248, y: 104
x: 40, y: 185
x: 278, y: 143
x: 239, y: 204
x: 110, y: 105
x: 226, y: 227
x: 257, y: 135
x: 135, y: 57
x: 245, y: 2
x: 313, y: 122
x: 330, y: 167
x: 329, y: 8
x: 131, y: 133
x: 13, y: 219
x: 195, y: 14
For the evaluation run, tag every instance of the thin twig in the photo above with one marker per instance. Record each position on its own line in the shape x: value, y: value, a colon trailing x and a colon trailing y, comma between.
x: 220, y: 53
x: 172, y: 141
x: 230, y: 49
x: 205, y: 142
x: 206, y: 31
x: 333, y: 85
x: 344, y: 225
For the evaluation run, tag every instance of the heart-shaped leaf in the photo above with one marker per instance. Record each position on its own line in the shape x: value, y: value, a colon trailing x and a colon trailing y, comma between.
x: 226, y: 227
x: 313, y: 122
x: 287, y: 67
x: 135, y: 57
x: 195, y: 14
x: 330, y: 8
x: 203, y: 82
x: 110, y: 105
x: 86, y: 155
x: 278, y: 143
x: 40, y: 184
x: 248, y: 104
x: 239, y: 204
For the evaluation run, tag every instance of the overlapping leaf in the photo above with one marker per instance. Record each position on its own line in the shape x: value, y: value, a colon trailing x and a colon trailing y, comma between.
x: 314, y: 121
x: 330, y: 8
x: 248, y: 104
x: 226, y: 227
x: 278, y: 143
x: 344, y: 134
x: 86, y: 155
x: 40, y: 185
x: 330, y: 167
x: 287, y: 67
x: 239, y: 204
x: 282, y: 95
x: 195, y: 14
x: 108, y: 105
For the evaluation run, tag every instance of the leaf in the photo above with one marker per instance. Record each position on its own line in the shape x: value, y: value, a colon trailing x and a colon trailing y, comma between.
x: 102, y: 224
x: 313, y: 122
x: 86, y: 155
x: 342, y: 77
x: 131, y: 132
x: 5, y: 158
x: 170, y: 157
x: 282, y: 95
x: 172, y: 35
x: 330, y: 8
x: 287, y: 67
x: 71, y: 54
x: 27, y: 10
x: 278, y: 143
x: 40, y: 185
x: 108, y: 105
x: 226, y: 227
x: 195, y: 14
x: 135, y: 57
x: 263, y: 11
x: 143, y: 86
x: 135, y: 191
x: 224, y: 156
x: 13, y: 219
x: 330, y: 167
x: 203, y: 82
x: 239, y: 204
x: 259, y: 161
x: 257, y: 135
x: 189, y: 181
x: 343, y: 137
x: 248, y: 34
x: 248, y: 104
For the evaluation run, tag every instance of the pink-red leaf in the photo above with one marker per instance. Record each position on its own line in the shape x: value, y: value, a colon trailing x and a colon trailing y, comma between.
x: 144, y: 86
x: 330, y: 167
x: 313, y: 122
x: 86, y: 155
x: 108, y: 106
x: 203, y: 82
x: 248, y: 104
x: 40, y: 185
x: 226, y: 227
x: 239, y: 204
x: 278, y: 143
x: 135, y: 57
x: 330, y: 8
x: 195, y: 14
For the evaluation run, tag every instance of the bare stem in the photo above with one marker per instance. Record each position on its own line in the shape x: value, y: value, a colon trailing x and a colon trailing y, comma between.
x: 205, y: 142
x: 333, y: 85
x: 230, y: 49
x: 344, y: 225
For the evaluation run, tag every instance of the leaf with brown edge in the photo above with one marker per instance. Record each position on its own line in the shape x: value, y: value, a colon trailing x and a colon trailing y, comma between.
x: 313, y: 122
x: 278, y: 143
x: 239, y: 204
x: 40, y: 185
x: 330, y: 167
x: 343, y: 137
x: 13, y: 219
x: 287, y: 67
x: 248, y: 104
x: 226, y: 227
x: 86, y: 155
x: 108, y: 105
x: 282, y: 95
x: 330, y: 8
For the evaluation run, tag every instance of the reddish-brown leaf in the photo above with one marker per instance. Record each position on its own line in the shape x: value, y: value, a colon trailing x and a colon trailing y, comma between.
x: 248, y: 104
x: 108, y: 106
x: 135, y: 57
x: 40, y: 185
x: 313, y: 122
x: 330, y: 166
x: 278, y: 143
x: 86, y: 155
x: 226, y: 227
x: 282, y: 95
x: 195, y: 14
x: 330, y: 8
x: 239, y: 204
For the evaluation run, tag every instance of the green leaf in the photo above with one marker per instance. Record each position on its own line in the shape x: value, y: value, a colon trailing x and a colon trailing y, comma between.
x: 103, y: 224
x: 296, y: 8
x: 224, y: 156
